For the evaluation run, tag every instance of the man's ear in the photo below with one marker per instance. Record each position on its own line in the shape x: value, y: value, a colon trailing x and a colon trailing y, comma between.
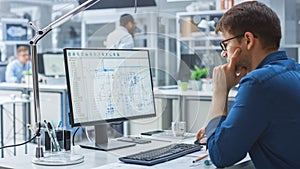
x: 250, y: 40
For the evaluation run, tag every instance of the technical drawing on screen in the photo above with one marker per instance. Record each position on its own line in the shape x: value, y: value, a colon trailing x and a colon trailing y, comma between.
x: 107, y: 86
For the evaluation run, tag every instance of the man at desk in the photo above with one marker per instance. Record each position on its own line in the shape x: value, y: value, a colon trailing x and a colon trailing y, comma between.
x: 264, y: 120
x: 122, y: 36
x: 15, y: 69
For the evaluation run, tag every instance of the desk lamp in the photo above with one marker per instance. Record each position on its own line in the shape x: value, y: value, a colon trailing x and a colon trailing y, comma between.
x: 63, y: 158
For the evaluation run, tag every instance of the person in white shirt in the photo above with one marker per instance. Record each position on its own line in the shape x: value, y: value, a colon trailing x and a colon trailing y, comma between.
x: 122, y: 36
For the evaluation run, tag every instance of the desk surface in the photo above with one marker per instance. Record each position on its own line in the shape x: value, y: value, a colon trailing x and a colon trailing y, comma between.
x: 109, y: 160
x: 15, y: 86
x: 156, y: 90
x: 177, y: 92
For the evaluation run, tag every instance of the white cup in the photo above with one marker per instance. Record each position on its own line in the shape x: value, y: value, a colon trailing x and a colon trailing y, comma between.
x: 179, y: 128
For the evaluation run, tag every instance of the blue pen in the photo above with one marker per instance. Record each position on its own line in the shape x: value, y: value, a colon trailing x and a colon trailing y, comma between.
x: 59, y: 125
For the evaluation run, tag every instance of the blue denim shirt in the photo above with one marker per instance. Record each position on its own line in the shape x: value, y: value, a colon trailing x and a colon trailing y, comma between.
x: 14, y: 71
x: 264, y: 119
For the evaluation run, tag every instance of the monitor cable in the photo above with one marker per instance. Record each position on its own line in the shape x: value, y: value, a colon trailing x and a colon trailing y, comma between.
x: 73, y: 137
x: 88, y: 136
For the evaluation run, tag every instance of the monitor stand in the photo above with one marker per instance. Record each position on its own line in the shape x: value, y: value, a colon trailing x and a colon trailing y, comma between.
x: 102, y: 142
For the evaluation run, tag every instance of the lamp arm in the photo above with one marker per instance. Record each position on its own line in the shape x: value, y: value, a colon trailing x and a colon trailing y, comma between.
x: 40, y: 33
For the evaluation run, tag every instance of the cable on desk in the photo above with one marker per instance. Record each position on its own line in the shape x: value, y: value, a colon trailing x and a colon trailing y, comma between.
x: 73, y: 137
x: 15, y: 145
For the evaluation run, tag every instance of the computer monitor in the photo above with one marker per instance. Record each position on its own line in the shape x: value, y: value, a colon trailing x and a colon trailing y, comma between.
x: 51, y: 64
x: 14, y: 29
x: 106, y: 85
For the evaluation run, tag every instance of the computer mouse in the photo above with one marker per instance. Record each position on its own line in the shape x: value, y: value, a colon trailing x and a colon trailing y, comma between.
x: 200, y: 141
x: 197, y: 142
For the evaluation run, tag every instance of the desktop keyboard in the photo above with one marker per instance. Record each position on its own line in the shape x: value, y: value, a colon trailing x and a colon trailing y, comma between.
x: 160, y: 155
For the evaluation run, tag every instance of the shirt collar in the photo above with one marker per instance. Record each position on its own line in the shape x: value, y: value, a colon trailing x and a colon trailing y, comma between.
x: 19, y: 63
x: 123, y: 28
x: 279, y: 55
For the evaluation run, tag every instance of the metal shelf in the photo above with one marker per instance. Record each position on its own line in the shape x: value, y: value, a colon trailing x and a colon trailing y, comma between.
x: 204, y: 40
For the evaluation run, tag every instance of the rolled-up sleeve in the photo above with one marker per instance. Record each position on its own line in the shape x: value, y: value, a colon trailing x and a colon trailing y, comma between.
x: 231, y: 137
x: 213, y: 124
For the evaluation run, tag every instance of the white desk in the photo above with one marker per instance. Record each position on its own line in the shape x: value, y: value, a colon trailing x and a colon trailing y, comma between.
x: 95, y: 158
x: 26, y: 89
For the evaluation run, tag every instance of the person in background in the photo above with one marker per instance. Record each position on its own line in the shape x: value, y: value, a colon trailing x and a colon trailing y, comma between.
x: 122, y: 36
x: 16, y: 68
x: 264, y: 120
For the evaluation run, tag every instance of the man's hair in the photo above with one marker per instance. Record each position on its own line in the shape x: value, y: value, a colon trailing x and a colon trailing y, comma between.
x: 22, y: 49
x: 125, y: 18
x: 254, y: 17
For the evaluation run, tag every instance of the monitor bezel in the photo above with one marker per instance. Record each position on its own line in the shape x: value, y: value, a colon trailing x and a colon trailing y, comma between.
x: 97, y: 122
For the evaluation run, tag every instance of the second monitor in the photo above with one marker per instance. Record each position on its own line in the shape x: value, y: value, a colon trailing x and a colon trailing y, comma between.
x: 51, y: 64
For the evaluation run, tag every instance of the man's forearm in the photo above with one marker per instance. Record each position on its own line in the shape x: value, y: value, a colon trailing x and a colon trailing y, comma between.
x: 217, y: 112
x: 218, y: 105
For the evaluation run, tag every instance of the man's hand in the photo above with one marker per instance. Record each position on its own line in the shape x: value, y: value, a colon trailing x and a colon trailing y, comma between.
x: 228, y: 75
x: 201, y: 136
x: 225, y: 77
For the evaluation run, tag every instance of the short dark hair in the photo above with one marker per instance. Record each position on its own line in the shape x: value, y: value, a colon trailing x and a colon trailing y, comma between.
x: 254, y: 17
x: 125, y: 18
x: 22, y: 49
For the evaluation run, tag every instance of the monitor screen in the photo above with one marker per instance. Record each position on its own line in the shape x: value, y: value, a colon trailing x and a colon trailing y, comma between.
x: 108, y: 85
x: 53, y: 64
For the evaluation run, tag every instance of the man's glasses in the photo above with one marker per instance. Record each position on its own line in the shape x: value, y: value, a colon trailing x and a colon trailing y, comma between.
x: 223, y: 45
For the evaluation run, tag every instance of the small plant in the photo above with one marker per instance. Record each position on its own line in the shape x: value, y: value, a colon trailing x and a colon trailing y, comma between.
x: 198, y: 73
